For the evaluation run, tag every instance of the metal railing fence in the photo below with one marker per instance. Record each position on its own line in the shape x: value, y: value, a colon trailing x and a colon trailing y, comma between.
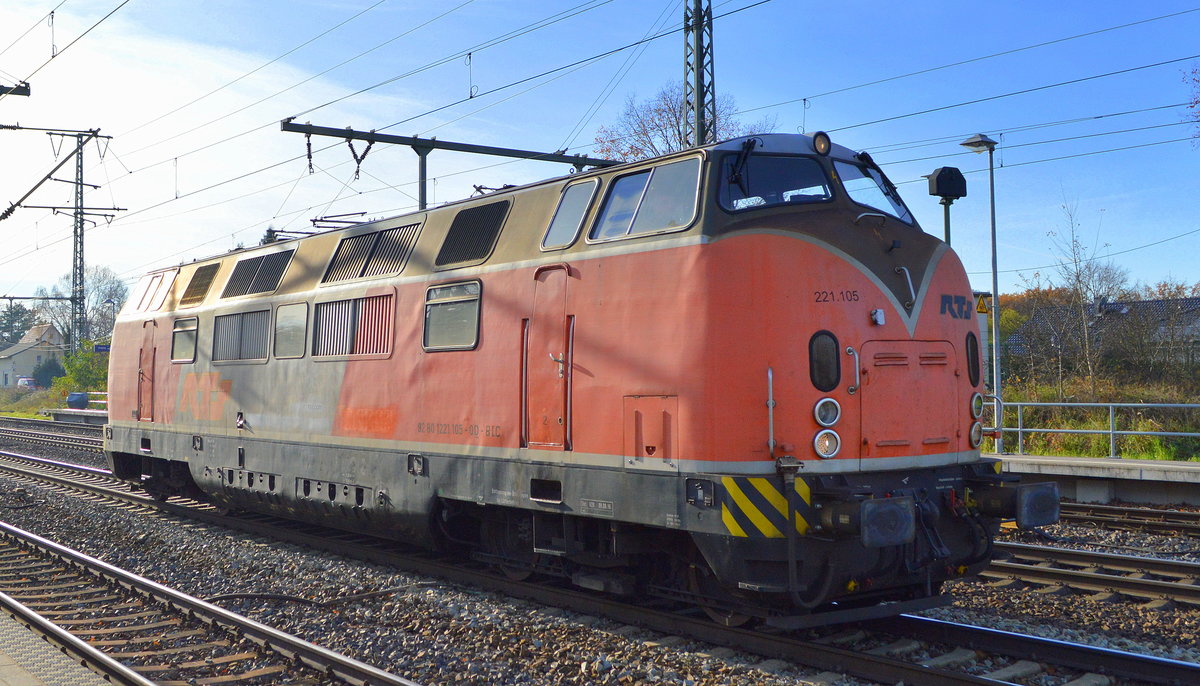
x: 1113, y: 433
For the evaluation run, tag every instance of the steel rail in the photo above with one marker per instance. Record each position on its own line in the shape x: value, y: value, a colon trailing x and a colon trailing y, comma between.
x: 807, y: 653
x: 42, y: 424
x: 292, y: 647
x: 1143, y: 519
x: 1132, y: 564
x: 114, y: 672
x: 1027, y: 565
x: 59, y: 440
x: 1143, y: 668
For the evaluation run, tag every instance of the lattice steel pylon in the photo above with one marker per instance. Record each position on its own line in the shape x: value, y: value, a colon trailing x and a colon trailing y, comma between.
x: 699, y: 95
x: 78, y: 301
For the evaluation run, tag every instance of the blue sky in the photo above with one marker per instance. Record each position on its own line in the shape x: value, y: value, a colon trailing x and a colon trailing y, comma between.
x: 192, y: 93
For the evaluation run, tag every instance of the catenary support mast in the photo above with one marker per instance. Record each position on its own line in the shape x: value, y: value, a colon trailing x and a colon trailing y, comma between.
x: 699, y: 94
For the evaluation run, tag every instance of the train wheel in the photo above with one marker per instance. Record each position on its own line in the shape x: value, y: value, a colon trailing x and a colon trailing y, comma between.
x: 702, y: 582
x: 510, y: 537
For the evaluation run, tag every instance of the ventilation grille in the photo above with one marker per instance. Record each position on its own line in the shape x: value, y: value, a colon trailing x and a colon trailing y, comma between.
x: 198, y: 287
x: 361, y: 326
x: 257, y: 274
x: 473, y: 234
x: 372, y: 254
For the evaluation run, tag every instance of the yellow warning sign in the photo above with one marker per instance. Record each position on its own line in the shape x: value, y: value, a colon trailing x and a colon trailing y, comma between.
x: 981, y: 304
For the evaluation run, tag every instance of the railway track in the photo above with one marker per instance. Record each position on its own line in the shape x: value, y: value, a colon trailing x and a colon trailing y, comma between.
x: 1147, y: 520
x: 51, y: 425
x: 75, y: 442
x: 886, y: 662
x: 135, y: 631
x: 1086, y: 571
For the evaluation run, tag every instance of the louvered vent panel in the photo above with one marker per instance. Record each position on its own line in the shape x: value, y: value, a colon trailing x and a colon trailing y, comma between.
x: 350, y: 258
x: 333, y: 328
x: 374, y: 334
x: 472, y: 234
x: 255, y: 332
x: 270, y: 272
x: 198, y: 287
x: 243, y: 275
x: 227, y: 330
x: 392, y: 250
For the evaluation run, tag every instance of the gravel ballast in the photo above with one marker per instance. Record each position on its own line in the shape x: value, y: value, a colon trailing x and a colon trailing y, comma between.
x: 432, y: 631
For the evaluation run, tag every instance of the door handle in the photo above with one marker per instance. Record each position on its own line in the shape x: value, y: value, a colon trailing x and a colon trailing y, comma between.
x: 561, y: 360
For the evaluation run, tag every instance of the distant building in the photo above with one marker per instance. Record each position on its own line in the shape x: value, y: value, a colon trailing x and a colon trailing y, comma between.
x: 41, y: 343
x: 1167, y: 329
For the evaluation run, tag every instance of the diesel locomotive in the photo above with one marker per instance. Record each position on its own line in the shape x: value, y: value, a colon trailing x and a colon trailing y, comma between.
x: 739, y: 376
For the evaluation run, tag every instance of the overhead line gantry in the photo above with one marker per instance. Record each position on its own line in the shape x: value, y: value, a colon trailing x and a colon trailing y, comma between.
x: 424, y: 146
x: 77, y: 298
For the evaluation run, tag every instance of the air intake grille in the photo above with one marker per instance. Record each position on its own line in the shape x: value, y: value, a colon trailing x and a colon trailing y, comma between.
x: 372, y: 254
x: 198, y: 287
x: 257, y: 274
x: 473, y: 234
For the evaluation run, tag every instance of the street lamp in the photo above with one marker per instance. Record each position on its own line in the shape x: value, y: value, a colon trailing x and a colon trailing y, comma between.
x: 979, y: 143
x: 113, y: 304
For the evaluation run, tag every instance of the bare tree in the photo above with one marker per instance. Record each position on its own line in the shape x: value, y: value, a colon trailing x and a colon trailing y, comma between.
x: 658, y: 126
x: 1090, y: 283
x: 1192, y: 78
x: 101, y: 285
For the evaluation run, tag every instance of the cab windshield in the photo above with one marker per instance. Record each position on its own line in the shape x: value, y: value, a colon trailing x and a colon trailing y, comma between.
x: 763, y: 180
x: 866, y: 186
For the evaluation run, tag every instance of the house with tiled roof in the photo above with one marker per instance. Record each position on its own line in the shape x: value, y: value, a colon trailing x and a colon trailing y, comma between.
x: 1163, y: 330
x: 41, y: 343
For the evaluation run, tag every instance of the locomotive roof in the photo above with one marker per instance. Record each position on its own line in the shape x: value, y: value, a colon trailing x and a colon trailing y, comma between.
x: 777, y: 143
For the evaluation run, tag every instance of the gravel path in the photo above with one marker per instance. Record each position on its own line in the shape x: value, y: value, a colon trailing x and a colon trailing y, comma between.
x: 438, y: 633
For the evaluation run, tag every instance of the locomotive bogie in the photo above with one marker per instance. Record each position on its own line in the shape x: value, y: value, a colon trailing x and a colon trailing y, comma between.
x: 754, y: 381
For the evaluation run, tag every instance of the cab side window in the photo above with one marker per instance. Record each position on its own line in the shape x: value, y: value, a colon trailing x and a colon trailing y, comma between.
x: 572, y: 207
x: 183, y: 340
x: 656, y: 200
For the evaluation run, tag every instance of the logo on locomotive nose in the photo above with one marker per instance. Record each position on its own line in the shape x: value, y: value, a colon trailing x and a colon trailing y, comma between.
x: 957, y: 306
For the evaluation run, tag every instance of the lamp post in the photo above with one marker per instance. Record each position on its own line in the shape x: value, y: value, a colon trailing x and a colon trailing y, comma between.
x: 979, y: 143
x: 113, y: 304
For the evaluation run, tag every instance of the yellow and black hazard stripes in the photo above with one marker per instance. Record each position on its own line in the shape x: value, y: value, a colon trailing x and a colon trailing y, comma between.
x: 755, y: 507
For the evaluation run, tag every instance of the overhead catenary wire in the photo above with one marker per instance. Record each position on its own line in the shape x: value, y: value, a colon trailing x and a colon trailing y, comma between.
x: 1024, y: 91
x: 660, y: 35
x: 516, y: 33
x: 618, y: 76
x: 926, y: 142
x: 285, y: 90
x: 508, y: 162
x: 243, y: 176
x: 257, y: 69
x: 32, y: 27
x: 1017, y: 146
x: 508, y: 36
x: 125, y: 220
x: 576, y: 63
x: 1098, y: 257
x: 972, y: 60
x: 68, y: 46
x: 541, y: 23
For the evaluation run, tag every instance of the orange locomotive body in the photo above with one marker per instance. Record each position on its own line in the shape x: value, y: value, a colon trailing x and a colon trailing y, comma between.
x: 740, y: 376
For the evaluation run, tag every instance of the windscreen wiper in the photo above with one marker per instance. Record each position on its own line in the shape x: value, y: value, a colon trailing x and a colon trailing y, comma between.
x: 738, y: 174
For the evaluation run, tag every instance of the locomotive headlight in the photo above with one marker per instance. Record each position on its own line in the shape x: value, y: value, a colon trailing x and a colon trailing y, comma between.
x: 827, y: 444
x: 827, y: 412
x: 976, y: 405
x: 976, y: 434
x: 821, y: 143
